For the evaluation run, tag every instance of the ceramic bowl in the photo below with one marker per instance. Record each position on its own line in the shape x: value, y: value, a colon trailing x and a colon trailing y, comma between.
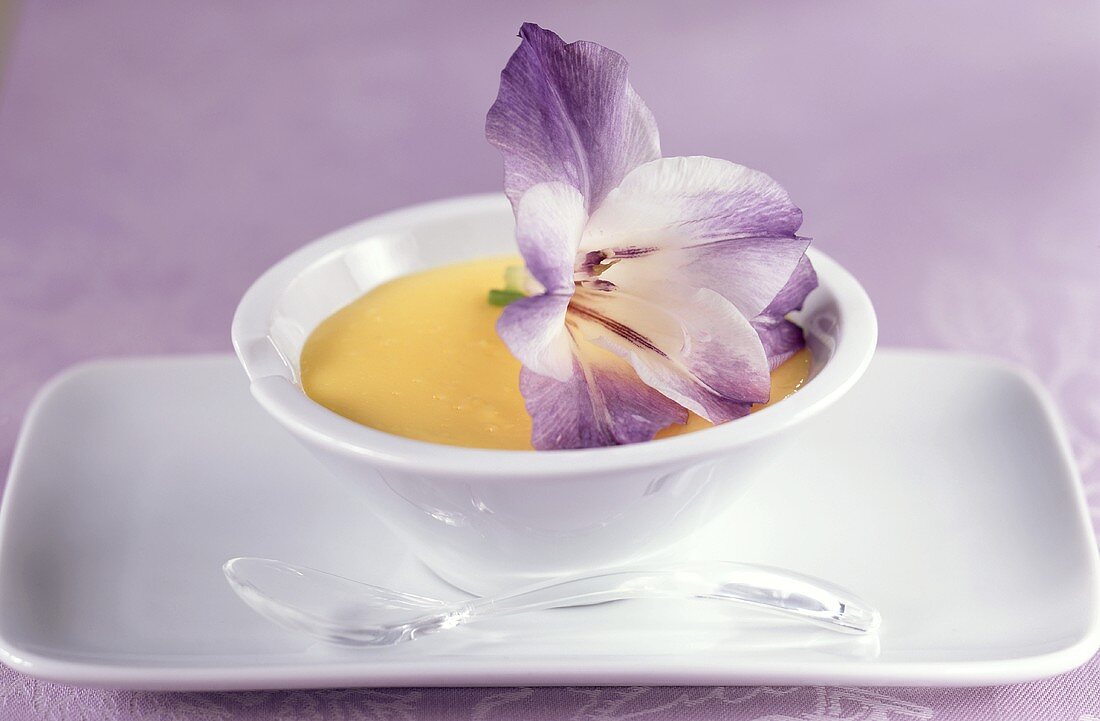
x: 487, y: 519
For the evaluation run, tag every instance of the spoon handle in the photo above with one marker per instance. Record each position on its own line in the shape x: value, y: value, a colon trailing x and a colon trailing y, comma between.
x: 772, y: 589
x: 345, y: 611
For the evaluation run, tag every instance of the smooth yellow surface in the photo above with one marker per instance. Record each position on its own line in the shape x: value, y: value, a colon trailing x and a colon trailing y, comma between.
x: 419, y: 357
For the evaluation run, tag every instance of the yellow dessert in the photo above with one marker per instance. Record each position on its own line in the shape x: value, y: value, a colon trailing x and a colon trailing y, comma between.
x: 419, y: 357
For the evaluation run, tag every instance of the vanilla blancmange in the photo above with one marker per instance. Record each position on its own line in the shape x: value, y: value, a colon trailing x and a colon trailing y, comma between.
x: 419, y: 357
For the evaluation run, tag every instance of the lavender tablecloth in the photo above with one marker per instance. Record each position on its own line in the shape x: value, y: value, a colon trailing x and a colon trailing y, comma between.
x: 155, y: 157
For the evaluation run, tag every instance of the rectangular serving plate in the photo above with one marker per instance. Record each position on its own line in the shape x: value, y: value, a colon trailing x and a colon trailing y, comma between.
x: 941, y: 489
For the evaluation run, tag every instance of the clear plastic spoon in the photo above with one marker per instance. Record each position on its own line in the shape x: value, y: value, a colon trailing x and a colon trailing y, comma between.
x: 340, y: 610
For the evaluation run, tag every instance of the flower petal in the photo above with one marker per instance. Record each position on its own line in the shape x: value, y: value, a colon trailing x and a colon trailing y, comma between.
x: 636, y: 321
x: 567, y: 113
x: 781, y: 337
x: 698, y: 223
x: 534, y: 330
x: 602, y: 403
x: 802, y: 281
x: 699, y: 352
x: 550, y: 218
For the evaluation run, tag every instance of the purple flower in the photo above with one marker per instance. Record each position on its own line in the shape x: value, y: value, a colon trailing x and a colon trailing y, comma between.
x: 660, y: 285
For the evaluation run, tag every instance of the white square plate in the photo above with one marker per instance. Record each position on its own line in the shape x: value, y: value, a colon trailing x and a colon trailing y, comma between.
x: 941, y: 489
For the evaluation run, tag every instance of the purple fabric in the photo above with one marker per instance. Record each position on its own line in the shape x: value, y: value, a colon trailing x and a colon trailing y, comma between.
x: 155, y: 157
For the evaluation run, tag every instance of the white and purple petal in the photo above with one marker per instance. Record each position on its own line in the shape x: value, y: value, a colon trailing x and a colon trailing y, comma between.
x: 602, y: 403
x: 696, y: 223
x: 534, y: 330
x: 637, y: 321
x: 793, y: 295
x: 567, y: 113
x: 692, y: 199
x: 700, y: 351
x: 550, y: 218
x: 782, y: 338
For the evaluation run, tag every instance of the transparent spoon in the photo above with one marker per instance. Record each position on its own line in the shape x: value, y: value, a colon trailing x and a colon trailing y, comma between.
x: 340, y: 610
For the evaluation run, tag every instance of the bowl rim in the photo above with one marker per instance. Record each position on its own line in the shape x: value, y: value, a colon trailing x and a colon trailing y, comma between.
x: 286, y: 402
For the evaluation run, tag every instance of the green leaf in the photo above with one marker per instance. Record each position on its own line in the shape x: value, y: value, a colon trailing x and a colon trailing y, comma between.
x: 504, y: 297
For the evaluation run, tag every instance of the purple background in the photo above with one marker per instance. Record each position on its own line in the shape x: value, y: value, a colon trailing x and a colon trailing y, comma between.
x: 155, y: 158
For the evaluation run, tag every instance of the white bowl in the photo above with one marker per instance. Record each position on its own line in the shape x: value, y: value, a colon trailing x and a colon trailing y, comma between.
x: 487, y: 519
